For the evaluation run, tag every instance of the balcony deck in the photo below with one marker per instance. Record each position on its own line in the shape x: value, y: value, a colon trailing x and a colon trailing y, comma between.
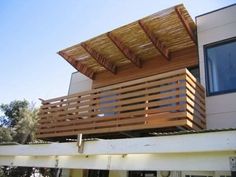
x: 171, y: 100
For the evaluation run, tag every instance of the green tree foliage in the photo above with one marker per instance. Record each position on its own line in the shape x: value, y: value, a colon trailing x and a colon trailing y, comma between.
x: 17, y: 124
x: 13, y: 112
x: 5, y: 134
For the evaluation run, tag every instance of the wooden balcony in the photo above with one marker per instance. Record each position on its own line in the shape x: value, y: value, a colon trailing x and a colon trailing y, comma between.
x: 169, y: 101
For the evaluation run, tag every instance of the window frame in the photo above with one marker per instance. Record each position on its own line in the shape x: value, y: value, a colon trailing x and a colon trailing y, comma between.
x: 100, y: 173
x: 206, y: 67
x: 131, y: 173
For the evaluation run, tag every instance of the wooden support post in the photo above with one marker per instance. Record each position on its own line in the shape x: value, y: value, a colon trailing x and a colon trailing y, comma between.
x: 80, y: 143
x: 155, y: 41
x: 100, y: 59
x: 186, y: 24
x: 78, y: 65
x: 125, y: 50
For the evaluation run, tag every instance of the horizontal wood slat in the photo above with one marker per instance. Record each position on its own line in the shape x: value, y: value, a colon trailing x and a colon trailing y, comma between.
x: 120, y: 85
x: 123, y: 99
x: 174, y: 99
x: 75, y: 120
x: 119, y: 93
x: 155, y: 37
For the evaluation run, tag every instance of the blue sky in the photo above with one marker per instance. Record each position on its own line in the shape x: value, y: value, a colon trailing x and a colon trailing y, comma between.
x: 31, y: 32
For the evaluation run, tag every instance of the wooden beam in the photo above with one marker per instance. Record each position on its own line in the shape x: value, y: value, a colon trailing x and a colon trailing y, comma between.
x: 125, y: 50
x: 100, y: 59
x: 221, y: 141
x: 186, y: 24
x: 195, y: 161
x: 78, y: 65
x: 156, y: 42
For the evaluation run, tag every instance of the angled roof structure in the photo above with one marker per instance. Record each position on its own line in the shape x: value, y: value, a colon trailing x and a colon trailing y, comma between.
x: 161, y: 33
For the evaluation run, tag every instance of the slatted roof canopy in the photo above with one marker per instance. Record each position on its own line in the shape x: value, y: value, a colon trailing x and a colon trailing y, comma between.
x: 162, y: 33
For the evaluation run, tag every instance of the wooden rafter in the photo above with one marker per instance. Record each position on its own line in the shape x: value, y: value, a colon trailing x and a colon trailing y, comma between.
x: 100, y: 59
x: 78, y: 65
x: 155, y: 41
x: 185, y: 24
x: 125, y: 50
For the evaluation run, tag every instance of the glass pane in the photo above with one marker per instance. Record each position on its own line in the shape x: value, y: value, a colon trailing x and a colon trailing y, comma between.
x: 98, y: 173
x: 142, y: 173
x: 221, y: 65
x: 198, y: 176
x: 195, y: 72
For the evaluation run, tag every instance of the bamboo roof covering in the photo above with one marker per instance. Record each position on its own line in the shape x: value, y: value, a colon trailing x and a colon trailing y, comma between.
x: 161, y: 33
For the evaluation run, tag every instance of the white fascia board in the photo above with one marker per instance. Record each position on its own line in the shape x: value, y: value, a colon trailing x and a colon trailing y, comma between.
x: 187, y: 143
x: 217, y: 161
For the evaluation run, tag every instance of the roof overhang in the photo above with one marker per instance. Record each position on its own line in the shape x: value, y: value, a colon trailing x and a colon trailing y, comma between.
x: 206, y: 151
x: 159, y: 34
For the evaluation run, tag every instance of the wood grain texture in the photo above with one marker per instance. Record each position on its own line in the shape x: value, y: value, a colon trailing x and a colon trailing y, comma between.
x: 155, y: 41
x: 155, y: 36
x: 181, y: 59
x: 78, y: 65
x: 103, y: 61
x: 186, y: 24
x: 172, y: 99
x: 125, y: 50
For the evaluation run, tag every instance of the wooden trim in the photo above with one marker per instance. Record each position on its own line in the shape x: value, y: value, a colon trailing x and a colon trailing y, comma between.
x: 157, y: 101
x: 169, y: 76
x: 156, y: 119
x: 114, y: 107
x: 84, y: 113
x: 74, y: 120
x: 192, y: 111
x: 95, y: 100
x: 155, y: 41
x: 186, y: 24
x: 100, y: 59
x: 163, y: 124
x: 125, y: 50
x: 78, y: 65
x: 120, y: 93
x: 179, y: 60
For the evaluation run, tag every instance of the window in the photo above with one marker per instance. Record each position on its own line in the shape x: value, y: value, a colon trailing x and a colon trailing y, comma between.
x: 220, y: 67
x: 198, y: 174
x: 195, y: 72
x: 142, y: 173
x: 98, y: 173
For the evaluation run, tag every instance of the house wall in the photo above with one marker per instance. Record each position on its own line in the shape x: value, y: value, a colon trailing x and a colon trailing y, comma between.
x: 115, y: 173
x: 76, y: 173
x: 119, y: 173
x: 79, y: 83
x: 213, y: 27
x: 180, y: 59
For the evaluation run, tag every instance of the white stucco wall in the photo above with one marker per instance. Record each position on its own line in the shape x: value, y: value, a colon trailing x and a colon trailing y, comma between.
x: 79, y: 83
x: 213, y: 27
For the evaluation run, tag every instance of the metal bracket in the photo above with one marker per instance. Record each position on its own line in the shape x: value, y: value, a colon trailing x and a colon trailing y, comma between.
x: 80, y: 143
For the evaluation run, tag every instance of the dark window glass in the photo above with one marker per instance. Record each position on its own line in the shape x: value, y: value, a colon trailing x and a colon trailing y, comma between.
x: 98, y: 173
x: 142, y: 173
x: 221, y: 67
x: 197, y: 176
x: 195, y: 72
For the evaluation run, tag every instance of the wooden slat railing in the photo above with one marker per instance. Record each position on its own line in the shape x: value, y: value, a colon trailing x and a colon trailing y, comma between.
x: 173, y: 99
